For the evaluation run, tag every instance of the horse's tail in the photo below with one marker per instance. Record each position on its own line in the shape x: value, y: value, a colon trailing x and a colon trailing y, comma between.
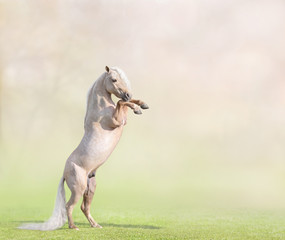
x: 58, y: 218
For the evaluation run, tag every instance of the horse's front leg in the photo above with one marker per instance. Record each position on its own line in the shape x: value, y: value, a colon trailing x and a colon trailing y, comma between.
x: 120, y: 115
x: 142, y: 104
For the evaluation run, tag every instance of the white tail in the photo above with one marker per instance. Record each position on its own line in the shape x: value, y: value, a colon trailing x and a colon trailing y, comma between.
x: 58, y: 218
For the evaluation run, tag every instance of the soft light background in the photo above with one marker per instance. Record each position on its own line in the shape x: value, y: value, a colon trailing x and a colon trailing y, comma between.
x: 212, y: 73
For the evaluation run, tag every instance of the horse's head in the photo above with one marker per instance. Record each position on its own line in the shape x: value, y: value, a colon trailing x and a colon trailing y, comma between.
x: 117, y: 83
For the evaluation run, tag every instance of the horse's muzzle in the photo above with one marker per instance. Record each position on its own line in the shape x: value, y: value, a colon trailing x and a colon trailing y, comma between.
x: 126, y: 97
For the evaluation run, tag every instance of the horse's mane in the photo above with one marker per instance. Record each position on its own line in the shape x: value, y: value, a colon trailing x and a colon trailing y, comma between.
x: 89, y: 95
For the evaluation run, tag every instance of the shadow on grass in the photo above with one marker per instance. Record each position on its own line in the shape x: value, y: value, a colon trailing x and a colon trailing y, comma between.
x: 129, y: 226
x: 85, y: 225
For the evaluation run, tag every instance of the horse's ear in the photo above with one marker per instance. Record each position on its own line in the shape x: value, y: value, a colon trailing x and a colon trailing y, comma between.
x: 107, y: 68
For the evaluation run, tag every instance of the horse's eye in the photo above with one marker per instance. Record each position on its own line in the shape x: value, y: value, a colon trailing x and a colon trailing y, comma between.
x: 114, y: 80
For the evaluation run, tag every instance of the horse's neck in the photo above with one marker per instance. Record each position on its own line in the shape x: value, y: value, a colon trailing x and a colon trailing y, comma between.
x: 98, y: 99
x: 99, y: 94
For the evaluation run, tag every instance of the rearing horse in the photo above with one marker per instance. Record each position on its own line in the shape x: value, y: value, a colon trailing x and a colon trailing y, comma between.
x: 103, y: 126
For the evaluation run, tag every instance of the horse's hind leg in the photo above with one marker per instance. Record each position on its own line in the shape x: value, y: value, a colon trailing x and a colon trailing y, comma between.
x: 87, y: 199
x: 75, y: 196
x: 77, y: 184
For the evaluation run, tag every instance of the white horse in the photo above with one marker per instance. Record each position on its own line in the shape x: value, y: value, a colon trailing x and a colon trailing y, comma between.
x: 103, y: 126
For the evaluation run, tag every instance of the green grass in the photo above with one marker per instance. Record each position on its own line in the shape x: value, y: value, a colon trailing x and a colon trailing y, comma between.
x: 133, y: 219
x: 141, y: 196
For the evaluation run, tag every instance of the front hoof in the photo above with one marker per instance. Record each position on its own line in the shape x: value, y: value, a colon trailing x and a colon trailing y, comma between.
x: 138, y: 111
x: 144, y: 106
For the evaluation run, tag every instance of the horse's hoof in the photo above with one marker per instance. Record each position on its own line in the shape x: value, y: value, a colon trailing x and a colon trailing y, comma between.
x: 74, y: 227
x: 144, y: 106
x: 96, y: 226
x: 138, y: 111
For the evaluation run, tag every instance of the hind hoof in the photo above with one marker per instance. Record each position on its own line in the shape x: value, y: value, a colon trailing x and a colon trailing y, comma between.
x: 96, y: 226
x: 74, y: 227
x: 144, y: 106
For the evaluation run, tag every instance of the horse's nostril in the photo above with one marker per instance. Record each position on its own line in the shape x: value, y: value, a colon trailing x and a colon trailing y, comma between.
x: 126, y: 96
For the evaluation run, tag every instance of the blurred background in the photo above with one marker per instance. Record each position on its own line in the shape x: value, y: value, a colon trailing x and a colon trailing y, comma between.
x: 212, y: 73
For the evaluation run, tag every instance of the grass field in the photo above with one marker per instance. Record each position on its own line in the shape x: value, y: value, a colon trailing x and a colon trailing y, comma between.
x: 139, y: 198
x: 131, y: 218
x: 143, y: 224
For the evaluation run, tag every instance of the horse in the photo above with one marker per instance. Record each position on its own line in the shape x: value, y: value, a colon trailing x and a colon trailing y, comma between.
x: 103, y: 125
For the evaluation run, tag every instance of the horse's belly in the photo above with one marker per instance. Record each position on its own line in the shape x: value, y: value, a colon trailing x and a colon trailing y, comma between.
x: 99, y: 147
